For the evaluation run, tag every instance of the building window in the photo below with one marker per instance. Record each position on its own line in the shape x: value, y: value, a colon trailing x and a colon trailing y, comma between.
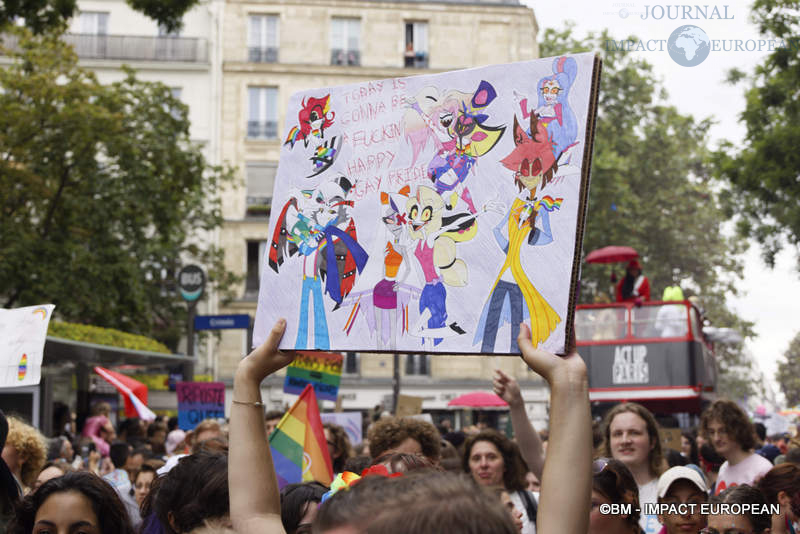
x: 176, y: 94
x: 416, y: 54
x: 260, y: 183
x: 94, y: 22
x: 345, y: 41
x: 262, y: 113
x: 262, y: 41
x: 417, y: 364
x: 255, y: 255
x: 351, y: 363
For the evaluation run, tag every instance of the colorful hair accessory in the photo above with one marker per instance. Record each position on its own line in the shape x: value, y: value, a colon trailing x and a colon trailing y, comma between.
x: 380, y: 470
x: 342, y: 481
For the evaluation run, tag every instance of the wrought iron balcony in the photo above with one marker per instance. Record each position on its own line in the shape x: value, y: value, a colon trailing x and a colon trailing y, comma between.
x: 340, y: 56
x: 262, y: 55
x: 262, y: 130
x: 139, y: 48
x: 416, y: 60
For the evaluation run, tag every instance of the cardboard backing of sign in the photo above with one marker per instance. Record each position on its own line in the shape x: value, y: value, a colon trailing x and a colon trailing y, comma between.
x: 432, y: 213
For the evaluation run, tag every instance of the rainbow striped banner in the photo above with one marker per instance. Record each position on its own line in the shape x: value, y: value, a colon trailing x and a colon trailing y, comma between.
x: 298, y: 445
x: 323, y: 370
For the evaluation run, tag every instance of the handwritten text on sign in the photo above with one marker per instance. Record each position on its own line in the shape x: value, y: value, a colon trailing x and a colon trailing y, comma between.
x: 323, y: 370
x: 198, y: 401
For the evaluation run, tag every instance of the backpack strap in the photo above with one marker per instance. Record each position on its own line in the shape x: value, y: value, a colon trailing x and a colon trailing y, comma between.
x: 530, y: 505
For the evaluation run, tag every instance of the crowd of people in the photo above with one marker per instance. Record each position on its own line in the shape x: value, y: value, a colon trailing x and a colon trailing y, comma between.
x: 407, y: 475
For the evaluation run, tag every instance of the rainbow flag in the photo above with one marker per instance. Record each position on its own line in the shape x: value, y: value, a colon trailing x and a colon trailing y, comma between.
x: 298, y: 445
x: 549, y: 203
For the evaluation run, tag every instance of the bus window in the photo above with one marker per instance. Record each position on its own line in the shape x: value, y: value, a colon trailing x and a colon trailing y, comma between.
x: 666, y: 320
x: 601, y: 324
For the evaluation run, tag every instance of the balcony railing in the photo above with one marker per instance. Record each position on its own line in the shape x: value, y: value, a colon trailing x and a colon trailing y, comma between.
x: 262, y: 55
x: 416, y: 60
x: 139, y: 48
x: 345, y: 57
x: 262, y: 130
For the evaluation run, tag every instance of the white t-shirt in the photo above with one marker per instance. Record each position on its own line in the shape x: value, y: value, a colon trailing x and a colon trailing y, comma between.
x: 527, y: 526
x: 747, y: 471
x: 648, y: 493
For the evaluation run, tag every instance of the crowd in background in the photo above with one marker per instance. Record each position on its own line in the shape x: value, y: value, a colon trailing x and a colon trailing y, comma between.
x: 407, y: 475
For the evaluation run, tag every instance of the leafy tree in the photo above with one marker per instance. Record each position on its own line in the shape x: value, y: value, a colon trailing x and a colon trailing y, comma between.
x: 652, y: 188
x: 787, y: 375
x: 45, y: 15
x: 763, y: 171
x: 102, y: 194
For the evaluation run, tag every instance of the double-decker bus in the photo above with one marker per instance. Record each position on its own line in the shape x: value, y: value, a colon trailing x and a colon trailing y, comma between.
x: 653, y: 353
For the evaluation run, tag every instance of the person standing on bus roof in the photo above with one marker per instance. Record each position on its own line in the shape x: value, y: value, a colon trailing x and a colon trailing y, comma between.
x: 634, y: 286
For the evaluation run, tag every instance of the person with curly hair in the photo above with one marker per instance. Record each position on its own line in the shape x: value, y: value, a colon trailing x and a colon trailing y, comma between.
x: 732, y: 435
x: 338, y: 445
x: 494, y: 460
x: 25, y: 452
x: 403, y: 434
x: 78, y: 501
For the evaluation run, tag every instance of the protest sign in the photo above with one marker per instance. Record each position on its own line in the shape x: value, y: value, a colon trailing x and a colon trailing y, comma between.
x: 408, y: 405
x: 350, y: 421
x: 323, y: 370
x: 198, y: 401
x: 23, y: 332
x: 433, y: 212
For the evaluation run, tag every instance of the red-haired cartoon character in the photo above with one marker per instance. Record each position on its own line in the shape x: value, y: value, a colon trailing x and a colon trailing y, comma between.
x: 314, y: 117
x: 513, y: 297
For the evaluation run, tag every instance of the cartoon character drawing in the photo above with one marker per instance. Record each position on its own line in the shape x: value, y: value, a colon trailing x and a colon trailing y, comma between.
x: 434, y: 237
x: 386, y: 305
x: 455, y: 121
x: 317, y: 225
x: 513, y: 297
x: 314, y: 118
x: 554, y: 110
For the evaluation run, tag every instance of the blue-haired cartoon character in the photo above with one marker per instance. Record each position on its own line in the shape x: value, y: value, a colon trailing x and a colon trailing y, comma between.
x: 553, y: 108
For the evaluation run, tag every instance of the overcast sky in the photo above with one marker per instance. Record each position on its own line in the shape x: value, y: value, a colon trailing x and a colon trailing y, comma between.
x: 769, y: 297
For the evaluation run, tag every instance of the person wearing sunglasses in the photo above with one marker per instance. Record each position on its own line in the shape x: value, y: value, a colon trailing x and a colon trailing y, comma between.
x: 613, y: 483
x: 684, y: 490
x: 744, y: 523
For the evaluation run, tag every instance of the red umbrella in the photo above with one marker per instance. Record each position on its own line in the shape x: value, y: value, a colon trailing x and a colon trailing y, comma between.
x: 478, y: 399
x: 133, y: 391
x: 612, y: 254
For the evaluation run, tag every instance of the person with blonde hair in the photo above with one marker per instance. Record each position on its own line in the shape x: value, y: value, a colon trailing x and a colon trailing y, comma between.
x: 631, y: 436
x: 25, y: 452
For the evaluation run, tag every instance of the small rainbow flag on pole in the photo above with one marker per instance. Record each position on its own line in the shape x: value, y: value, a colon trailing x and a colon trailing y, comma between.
x: 298, y: 445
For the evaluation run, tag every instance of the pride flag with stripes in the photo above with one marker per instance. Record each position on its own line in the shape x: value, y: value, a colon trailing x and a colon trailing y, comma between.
x: 298, y: 444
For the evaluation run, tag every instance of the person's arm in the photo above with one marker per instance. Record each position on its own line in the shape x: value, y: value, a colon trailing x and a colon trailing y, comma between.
x: 567, y: 475
x: 530, y: 444
x: 255, y: 501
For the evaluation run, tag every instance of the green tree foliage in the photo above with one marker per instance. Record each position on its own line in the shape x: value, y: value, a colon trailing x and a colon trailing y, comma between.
x: 46, y: 15
x: 764, y: 172
x: 102, y: 194
x: 652, y: 189
x: 787, y: 376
